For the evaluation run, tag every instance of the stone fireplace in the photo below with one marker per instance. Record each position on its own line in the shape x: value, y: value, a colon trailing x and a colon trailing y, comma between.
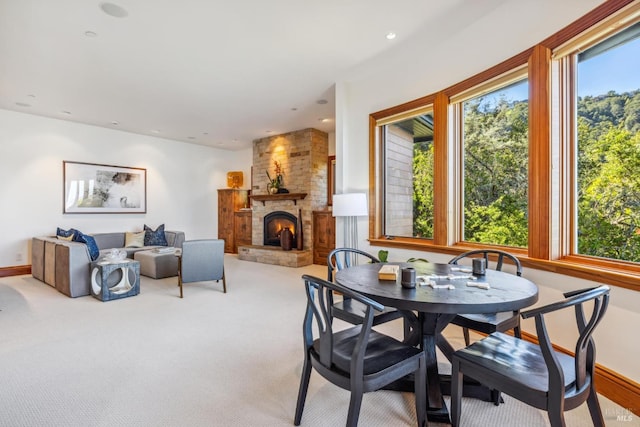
x: 303, y: 157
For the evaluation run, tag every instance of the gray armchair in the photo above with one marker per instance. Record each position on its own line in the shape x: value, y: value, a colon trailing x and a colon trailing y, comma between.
x: 201, y: 261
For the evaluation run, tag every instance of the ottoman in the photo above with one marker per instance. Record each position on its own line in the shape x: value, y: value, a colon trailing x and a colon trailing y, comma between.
x: 157, y: 265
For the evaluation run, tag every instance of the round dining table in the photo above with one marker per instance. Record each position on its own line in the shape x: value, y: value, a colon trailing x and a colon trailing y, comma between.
x: 441, y: 292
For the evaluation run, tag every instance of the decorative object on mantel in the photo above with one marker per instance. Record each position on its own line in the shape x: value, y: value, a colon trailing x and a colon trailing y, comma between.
x: 235, y: 179
x: 276, y: 185
x: 299, y: 233
x: 286, y: 239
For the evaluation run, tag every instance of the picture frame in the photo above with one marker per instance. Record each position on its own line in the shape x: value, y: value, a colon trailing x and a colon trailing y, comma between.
x: 90, y: 188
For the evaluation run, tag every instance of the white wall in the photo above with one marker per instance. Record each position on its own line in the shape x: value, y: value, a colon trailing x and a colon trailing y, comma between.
x: 182, y: 180
x: 447, y: 52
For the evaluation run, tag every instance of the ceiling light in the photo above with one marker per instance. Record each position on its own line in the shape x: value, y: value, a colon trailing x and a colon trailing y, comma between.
x: 113, y: 10
x: 66, y: 112
x: 321, y: 101
x: 23, y: 104
x: 115, y: 123
x: 90, y: 34
x: 31, y: 96
x: 390, y: 35
x: 294, y: 109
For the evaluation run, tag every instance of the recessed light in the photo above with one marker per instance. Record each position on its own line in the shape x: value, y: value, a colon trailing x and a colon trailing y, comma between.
x: 31, y: 96
x: 113, y: 10
x: 321, y: 101
x: 156, y: 131
x: 390, y: 35
x: 191, y: 137
x: 66, y: 112
x: 325, y: 120
x: 294, y: 109
x: 23, y: 104
x: 205, y: 133
x: 115, y: 123
x: 90, y: 34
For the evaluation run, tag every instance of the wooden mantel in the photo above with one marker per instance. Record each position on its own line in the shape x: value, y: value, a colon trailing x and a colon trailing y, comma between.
x: 276, y: 197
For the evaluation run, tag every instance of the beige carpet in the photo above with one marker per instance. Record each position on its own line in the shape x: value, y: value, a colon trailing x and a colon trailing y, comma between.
x: 208, y: 360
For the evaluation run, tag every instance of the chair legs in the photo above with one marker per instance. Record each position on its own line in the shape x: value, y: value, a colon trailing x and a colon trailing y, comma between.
x: 465, y: 332
x: 354, y: 407
x: 456, y: 392
x: 594, y: 408
x: 302, y: 393
x: 420, y: 390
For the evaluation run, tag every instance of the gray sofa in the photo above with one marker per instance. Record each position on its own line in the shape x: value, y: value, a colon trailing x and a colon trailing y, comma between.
x: 66, y: 265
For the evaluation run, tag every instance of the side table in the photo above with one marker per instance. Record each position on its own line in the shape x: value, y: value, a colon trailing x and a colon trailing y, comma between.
x: 115, y: 279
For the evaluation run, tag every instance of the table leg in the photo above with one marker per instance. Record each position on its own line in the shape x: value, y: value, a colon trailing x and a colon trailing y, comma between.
x: 431, y: 325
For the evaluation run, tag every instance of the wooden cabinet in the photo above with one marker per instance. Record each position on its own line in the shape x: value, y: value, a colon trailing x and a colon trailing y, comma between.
x: 230, y: 201
x: 324, y: 236
x: 242, y: 229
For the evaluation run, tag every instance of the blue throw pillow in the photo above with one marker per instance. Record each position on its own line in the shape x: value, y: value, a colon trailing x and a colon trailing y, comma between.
x: 155, y: 237
x: 72, y: 232
x: 94, y: 252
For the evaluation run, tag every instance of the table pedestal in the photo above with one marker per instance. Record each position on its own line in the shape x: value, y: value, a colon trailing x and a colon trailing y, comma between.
x: 114, y: 280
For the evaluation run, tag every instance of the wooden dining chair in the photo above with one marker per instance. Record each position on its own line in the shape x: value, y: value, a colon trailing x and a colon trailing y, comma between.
x: 536, y: 374
x: 347, y: 309
x: 489, y: 322
x: 358, y: 359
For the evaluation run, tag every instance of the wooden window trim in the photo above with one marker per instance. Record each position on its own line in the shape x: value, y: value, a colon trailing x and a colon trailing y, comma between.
x: 548, y: 237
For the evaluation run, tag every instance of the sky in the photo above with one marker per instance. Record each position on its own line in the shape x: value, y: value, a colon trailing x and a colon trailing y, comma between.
x: 616, y: 69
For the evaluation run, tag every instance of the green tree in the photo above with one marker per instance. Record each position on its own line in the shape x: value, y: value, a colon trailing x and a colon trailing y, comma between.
x: 496, y: 171
x: 423, y: 190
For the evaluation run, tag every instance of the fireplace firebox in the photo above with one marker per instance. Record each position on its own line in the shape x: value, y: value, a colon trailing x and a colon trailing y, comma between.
x: 274, y: 223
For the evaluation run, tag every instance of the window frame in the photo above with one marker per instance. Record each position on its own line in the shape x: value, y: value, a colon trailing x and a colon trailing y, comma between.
x: 551, y: 125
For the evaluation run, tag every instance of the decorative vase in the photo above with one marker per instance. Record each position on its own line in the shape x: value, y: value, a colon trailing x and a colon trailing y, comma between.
x: 272, y: 189
x: 286, y: 239
x: 299, y: 232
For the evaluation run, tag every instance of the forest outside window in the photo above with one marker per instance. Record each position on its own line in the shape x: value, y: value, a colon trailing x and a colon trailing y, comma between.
x: 607, y: 156
x: 408, y: 176
x: 495, y: 166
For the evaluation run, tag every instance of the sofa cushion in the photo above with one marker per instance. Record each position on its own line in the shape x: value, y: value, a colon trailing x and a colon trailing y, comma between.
x: 94, y: 252
x: 134, y: 240
x: 68, y: 235
x: 155, y: 237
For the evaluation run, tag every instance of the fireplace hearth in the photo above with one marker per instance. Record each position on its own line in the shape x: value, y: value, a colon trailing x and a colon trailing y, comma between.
x: 274, y: 223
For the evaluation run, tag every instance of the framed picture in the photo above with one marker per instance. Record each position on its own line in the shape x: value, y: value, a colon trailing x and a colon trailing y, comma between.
x: 94, y: 188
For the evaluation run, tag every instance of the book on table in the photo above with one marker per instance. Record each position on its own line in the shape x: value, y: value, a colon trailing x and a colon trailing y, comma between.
x: 388, y: 272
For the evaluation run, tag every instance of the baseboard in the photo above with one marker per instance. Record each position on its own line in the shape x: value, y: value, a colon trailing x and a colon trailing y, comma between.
x: 15, y: 270
x: 621, y: 390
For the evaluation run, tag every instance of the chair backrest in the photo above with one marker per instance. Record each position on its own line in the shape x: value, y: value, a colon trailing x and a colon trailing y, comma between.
x: 202, y: 260
x: 489, y: 255
x: 340, y: 258
x: 585, y: 347
x: 319, y: 301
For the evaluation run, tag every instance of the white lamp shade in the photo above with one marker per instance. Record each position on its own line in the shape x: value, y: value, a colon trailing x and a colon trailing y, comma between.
x: 350, y: 204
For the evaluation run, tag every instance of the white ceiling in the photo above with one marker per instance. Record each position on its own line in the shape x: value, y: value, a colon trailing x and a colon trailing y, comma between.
x: 211, y: 72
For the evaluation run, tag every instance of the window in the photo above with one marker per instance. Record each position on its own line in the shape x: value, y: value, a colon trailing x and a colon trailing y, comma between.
x: 408, y: 176
x: 539, y: 153
x: 495, y: 141
x: 608, y: 148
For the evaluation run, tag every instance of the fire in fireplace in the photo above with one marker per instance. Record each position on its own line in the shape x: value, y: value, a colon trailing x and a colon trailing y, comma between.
x: 274, y: 223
